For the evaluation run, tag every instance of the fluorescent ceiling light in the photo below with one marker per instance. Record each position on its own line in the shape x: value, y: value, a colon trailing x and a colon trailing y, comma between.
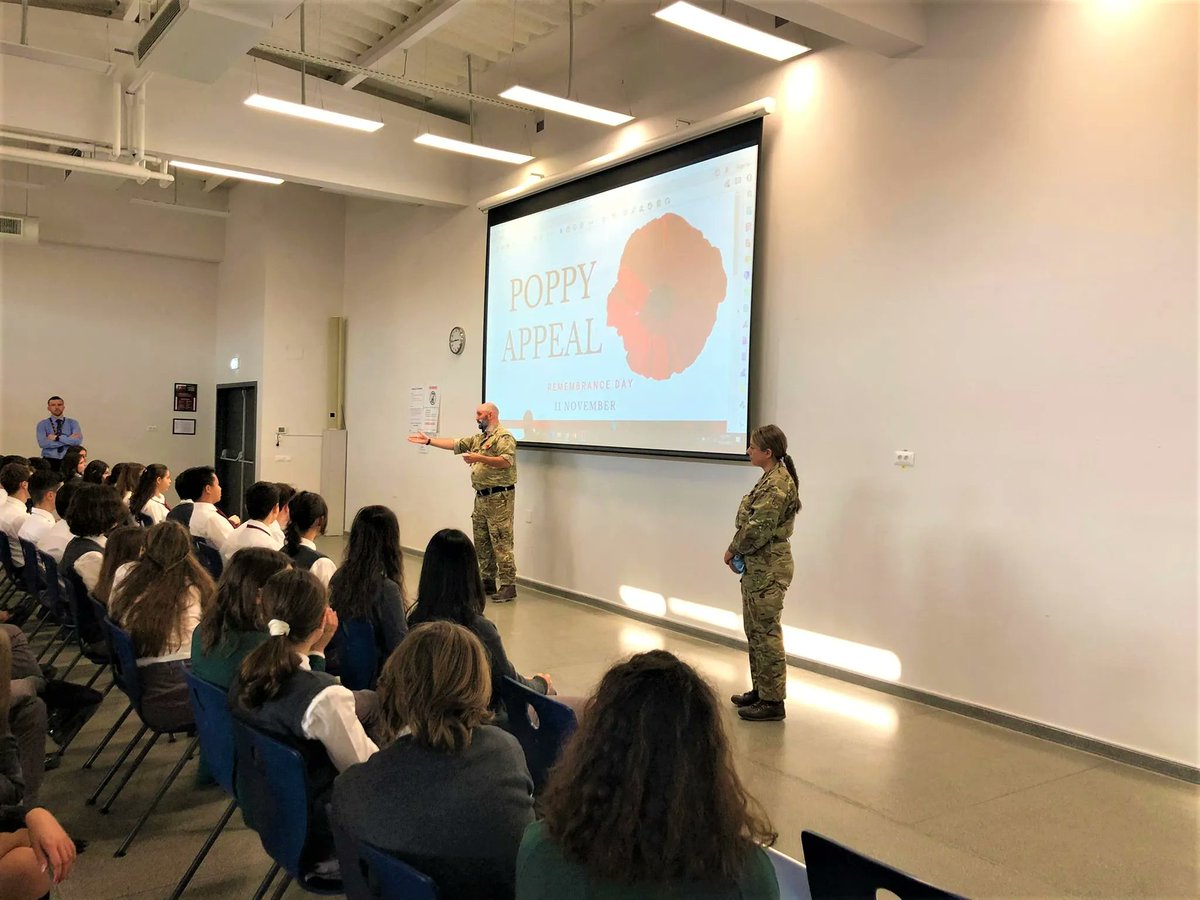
x: 730, y: 32
x: 550, y: 103
x: 226, y: 173
x: 313, y: 113
x: 443, y: 143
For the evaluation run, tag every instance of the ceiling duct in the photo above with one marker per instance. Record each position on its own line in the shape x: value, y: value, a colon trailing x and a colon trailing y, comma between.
x: 201, y: 39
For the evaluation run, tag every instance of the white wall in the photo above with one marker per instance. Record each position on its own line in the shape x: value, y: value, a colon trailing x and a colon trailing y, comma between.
x: 985, y: 252
x: 112, y: 332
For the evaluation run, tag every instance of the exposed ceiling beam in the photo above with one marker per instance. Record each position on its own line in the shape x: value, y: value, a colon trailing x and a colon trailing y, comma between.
x: 129, y: 9
x: 420, y: 26
x: 213, y: 182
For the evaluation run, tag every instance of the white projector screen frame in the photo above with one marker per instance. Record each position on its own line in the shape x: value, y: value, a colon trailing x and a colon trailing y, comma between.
x: 654, y: 437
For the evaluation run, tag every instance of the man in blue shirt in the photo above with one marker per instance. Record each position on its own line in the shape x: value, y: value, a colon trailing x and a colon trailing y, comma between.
x: 57, y: 433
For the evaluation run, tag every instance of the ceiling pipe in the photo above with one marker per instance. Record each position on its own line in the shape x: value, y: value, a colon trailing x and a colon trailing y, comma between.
x: 118, y: 98
x: 101, y: 167
x: 139, y: 124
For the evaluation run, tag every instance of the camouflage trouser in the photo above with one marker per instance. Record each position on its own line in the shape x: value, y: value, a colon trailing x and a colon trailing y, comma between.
x: 768, y: 574
x: 493, y: 523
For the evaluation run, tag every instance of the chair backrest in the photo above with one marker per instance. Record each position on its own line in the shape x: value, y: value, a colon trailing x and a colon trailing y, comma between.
x: 6, y: 559
x: 836, y: 871
x: 357, y: 655
x: 790, y: 873
x: 209, y: 557
x: 124, y: 662
x: 88, y: 628
x: 369, y: 873
x: 32, y: 572
x: 144, y: 520
x: 53, y: 584
x: 544, y: 741
x: 273, y: 794
x: 214, y: 725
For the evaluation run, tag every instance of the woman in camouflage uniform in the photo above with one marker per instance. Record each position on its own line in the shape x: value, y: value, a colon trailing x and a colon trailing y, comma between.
x: 764, y: 524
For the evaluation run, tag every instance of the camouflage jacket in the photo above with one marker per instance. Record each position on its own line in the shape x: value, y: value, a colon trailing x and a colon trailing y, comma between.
x: 767, y: 513
x: 499, y: 443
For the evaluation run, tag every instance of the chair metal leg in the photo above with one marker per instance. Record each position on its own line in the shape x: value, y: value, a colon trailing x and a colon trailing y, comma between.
x: 63, y: 646
x: 54, y: 638
x: 142, y: 754
x: 282, y: 889
x: 266, y: 882
x: 108, y: 737
x: 187, y: 754
x: 91, y: 801
x: 208, y: 845
x: 99, y: 671
x: 71, y: 667
x: 42, y: 620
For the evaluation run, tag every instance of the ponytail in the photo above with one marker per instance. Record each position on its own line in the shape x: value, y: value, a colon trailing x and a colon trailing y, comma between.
x: 291, y: 538
x: 306, y: 510
x: 294, y: 601
x: 791, y: 470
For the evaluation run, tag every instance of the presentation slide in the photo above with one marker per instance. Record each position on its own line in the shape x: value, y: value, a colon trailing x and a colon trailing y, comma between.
x: 621, y: 320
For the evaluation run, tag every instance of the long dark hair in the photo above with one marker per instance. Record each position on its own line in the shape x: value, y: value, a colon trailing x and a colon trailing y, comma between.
x: 146, y: 486
x: 235, y: 606
x: 771, y: 437
x: 153, y: 599
x: 128, y: 476
x: 646, y: 790
x: 125, y: 544
x: 94, y: 509
x: 372, y: 555
x: 305, y: 510
x: 298, y: 598
x: 69, y: 468
x: 450, y: 586
x: 93, y: 473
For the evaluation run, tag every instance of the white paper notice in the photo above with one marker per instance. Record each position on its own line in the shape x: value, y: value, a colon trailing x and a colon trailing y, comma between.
x: 424, y: 410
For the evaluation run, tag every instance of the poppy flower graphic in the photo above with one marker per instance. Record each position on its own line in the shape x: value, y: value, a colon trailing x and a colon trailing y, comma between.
x: 664, y: 304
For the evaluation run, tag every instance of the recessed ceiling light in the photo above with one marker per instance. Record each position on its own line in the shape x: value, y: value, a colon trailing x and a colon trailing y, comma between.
x: 566, y: 107
x: 730, y: 32
x: 312, y: 113
x: 443, y: 143
x: 226, y: 173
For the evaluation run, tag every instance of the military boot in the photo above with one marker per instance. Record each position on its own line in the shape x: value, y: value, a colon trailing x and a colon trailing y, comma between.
x: 489, y: 586
x: 763, y: 711
x: 506, y: 593
x: 747, y: 699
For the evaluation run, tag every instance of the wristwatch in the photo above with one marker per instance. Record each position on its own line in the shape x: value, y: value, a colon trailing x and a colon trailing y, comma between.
x: 428, y: 440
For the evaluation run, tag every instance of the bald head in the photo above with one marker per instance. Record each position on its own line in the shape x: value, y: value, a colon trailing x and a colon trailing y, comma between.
x: 487, y: 416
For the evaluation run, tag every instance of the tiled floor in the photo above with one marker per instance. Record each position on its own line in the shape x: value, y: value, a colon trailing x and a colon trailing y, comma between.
x: 971, y: 807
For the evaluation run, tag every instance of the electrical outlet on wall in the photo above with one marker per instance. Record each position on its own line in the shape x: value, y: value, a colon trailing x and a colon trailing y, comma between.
x: 152, y: 428
x: 905, y: 459
x: 529, y: 516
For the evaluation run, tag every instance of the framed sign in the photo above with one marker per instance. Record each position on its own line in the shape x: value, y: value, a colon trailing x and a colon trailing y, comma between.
x: 185, y: 398
x: 183, y: 426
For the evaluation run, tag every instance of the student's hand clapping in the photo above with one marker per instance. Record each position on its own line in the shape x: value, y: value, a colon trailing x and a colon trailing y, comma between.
x: 329, y: 627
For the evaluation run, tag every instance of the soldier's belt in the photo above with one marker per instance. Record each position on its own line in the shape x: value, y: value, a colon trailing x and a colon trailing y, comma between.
x: 484, y: 492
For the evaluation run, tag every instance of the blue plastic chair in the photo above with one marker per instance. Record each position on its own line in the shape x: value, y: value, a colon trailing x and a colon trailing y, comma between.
x: 357, y: 655
x: 58, y: 611
x: 15, y: 575
x: 790, y: 874
x: 88, y: 628
x: 128, y: 679
x: 835, y: 872
x: 214, y: 727
x: 273, y: 793
x: 369, y: 873
x: 543, y: 742
x: 209, y: 557
x: 35, y: 585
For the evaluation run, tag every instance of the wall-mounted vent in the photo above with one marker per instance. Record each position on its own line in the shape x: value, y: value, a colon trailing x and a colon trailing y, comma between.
x: 18, y: 229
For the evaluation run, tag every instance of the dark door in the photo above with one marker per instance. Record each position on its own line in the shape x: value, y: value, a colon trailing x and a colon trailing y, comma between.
x: 237, y: 440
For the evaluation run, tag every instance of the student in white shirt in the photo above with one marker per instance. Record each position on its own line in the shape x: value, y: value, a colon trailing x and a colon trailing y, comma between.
x: 307, y: 514
x: 43, y: 491
x: 14, y: 478
x: 277, y: 691
x: 149, y: 497
x: 158, y: 600
x: 201, y: 485
x: 95, y: 510
x: 54, y: 542
x: 279, y: 526
x: 4, y: 461
x: 262, y: 506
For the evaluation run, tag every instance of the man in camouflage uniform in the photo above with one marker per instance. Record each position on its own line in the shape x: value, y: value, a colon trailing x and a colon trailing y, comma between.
x: 764, y: 524
x: 492, y: 456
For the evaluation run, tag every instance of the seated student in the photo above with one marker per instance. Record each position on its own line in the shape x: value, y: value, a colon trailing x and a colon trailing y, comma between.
x: 262, y: 506
x: 200, y: 490
x: 307, y: 514
x: 451, y: 590
x: 370, y: 583
x: 125, y: 477
x: 43, y: 491
x: 35, y: 852
x: 149, y: 496
x: 39, y: 464
x: 624, y: 813
x: 466, y: 794
x: 95, y: 510
x: 4, y: 461
x: 15, y: 479
x: 54, y: 542
x: 74, y: 461
x: 232, y: 624
x: 125, y: 545
x: 286, y: 493
x: 96, y: 472
x: 276, y: 691
x: 158, y: 599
